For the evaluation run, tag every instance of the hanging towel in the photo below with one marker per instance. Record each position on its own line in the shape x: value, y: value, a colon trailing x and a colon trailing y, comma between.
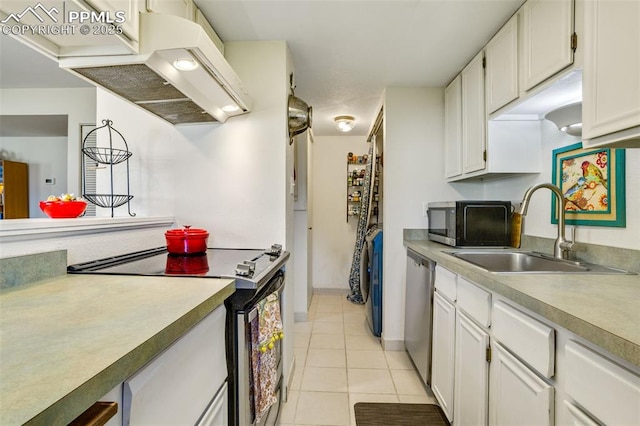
x: 266, y: 330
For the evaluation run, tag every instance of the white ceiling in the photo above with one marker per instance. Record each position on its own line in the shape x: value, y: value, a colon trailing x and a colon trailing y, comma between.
x: 24, y: 67
x: 344, y: 51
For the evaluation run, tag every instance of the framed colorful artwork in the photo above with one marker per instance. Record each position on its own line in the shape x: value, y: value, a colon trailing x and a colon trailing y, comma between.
x: 593, y: 183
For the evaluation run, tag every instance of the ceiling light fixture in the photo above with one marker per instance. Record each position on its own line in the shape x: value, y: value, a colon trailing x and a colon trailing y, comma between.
x: 567, y: 118
x: 230, y: 108
x: 185, y: 64
x: 345, y: 122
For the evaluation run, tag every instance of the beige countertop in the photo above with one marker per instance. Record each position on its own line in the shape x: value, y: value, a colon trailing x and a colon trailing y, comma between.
x: 603, y: 309
x: 67, y: 341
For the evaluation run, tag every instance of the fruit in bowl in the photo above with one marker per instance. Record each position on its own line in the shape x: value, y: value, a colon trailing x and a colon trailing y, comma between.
x: 65, y: 206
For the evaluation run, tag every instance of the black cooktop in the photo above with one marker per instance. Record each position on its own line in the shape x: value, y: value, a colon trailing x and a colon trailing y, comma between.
x: 249, y: 267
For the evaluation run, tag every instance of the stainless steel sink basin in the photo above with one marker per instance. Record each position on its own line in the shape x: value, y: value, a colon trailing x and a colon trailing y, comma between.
x: 521, y: 262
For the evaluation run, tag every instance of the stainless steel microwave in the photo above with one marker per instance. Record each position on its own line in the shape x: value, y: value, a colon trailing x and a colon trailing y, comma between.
x: 470, y: 223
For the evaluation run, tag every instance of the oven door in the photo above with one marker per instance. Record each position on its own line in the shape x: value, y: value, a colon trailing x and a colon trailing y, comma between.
x: 242, y: 313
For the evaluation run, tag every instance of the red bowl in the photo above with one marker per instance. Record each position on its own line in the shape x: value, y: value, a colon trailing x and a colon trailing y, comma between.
x: 63, y: 209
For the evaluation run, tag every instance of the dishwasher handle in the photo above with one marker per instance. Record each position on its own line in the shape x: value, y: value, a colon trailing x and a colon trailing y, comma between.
x: 421, y: 260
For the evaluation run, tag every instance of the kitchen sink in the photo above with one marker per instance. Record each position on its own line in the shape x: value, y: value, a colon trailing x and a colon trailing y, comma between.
x: 528, y: 262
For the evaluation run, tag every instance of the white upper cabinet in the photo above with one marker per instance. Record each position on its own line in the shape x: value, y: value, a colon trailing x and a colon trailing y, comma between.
x: 131, y: 10
x: 181, y: 8
x: 547, y: 30
x: 502, y: 66
x: 80, y: 28
x: 474, y: 119
x: 453, y: 128
x: 611, y: 75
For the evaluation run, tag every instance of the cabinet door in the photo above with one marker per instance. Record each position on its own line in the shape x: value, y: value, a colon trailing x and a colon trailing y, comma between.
x: 588, y: 374
x: 15, y: 194
x: 516, y: 394
x: 473, y: 116
x: 547, y: 31
x: 181, y: 8
x: 442, y: 369
x: 502, y: 66
x: 471, y: 388
x: 611, y: 86
x: 130, y: 8
x: 217, y: 413
x: 176, y: 387
x: 453, y: 128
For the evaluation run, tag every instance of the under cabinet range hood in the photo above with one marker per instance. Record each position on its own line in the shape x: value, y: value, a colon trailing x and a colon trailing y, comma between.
x: 210, y: 92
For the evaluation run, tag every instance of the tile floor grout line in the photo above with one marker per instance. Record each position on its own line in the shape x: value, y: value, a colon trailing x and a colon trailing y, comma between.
x: 355, y: 315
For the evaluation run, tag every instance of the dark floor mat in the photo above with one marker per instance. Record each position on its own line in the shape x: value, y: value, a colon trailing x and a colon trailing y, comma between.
x: 388, y: 414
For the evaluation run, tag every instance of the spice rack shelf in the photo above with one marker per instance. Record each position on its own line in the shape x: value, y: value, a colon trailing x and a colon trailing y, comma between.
x: 356, y: 165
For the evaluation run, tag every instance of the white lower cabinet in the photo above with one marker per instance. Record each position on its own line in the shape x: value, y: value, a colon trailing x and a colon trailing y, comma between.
x: 589, y: 374
x: 443, y: 349
x: 574, y: 416
x: 471, y: 390
x: 517, y: 395
x: 218, y: 412
x: 178, y: 385
x: 535, y: 373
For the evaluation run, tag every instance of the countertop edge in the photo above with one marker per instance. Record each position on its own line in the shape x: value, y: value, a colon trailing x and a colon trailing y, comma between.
x: 618, y: 346
x: 76, y: 402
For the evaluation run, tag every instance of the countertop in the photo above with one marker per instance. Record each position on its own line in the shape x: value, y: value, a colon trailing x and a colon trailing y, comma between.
x: 603, y: 309
x: 67, y: 341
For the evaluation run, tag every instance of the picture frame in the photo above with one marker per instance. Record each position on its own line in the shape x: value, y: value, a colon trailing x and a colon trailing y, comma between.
x: 593, y: 183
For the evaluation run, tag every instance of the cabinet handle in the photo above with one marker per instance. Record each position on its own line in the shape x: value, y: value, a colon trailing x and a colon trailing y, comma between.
x: 96, y: 415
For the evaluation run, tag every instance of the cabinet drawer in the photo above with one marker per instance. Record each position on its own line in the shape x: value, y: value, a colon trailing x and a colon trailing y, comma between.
x: 474, y: 301
x: 526, y: 337
x: 576, y: 417
x: 446, y: 282
x: 606, y: 390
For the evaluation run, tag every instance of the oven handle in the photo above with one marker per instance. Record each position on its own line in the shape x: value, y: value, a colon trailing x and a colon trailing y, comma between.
x: 278, y: 277
x: 253, y: 313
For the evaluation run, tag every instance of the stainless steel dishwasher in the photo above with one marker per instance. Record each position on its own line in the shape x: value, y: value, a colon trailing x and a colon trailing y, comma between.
x: 418, y: 314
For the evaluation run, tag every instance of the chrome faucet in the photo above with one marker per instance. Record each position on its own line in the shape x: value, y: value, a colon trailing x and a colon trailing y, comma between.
x: 561, y: 246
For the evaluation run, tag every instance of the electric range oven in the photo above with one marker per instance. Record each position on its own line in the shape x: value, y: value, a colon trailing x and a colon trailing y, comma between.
x: 258, y: 274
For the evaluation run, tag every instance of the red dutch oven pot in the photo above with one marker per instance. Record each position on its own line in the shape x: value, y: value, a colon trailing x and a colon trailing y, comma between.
x: 186, y: 240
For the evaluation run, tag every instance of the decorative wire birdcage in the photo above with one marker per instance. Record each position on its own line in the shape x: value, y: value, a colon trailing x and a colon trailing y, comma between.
x: 109, y: 156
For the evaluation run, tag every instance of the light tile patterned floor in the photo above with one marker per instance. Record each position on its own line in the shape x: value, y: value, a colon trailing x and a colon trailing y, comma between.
x: 339, y: 363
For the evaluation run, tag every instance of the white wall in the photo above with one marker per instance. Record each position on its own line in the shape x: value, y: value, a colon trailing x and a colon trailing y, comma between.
x: 413, y: 174
x: 333, y: 238
x: 538, y: 219
x: 230, y: 179
x: 46, y: 158
x: 301, y: 224
x: 78, y: 104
